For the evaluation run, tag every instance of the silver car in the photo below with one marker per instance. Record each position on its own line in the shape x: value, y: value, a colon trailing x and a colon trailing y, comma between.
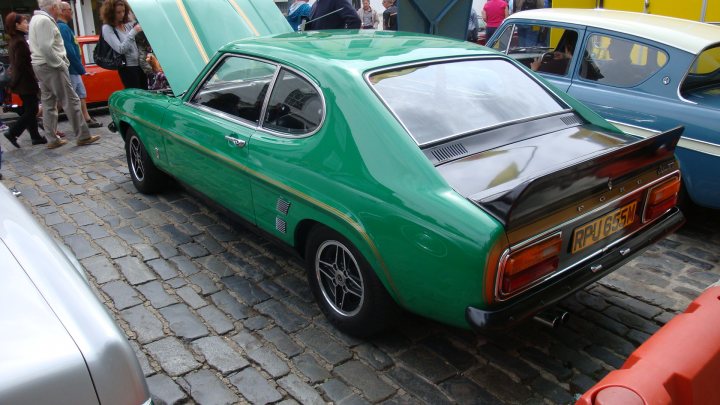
x: 58, y: 344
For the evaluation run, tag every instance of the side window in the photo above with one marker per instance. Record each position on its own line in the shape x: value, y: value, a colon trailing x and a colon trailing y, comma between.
x: 237, y: 87
x: 543, y: 48
x: 620, y: 62
x: 295, y: 106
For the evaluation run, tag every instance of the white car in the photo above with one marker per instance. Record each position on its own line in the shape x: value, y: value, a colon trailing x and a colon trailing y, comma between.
x: 58, y: 343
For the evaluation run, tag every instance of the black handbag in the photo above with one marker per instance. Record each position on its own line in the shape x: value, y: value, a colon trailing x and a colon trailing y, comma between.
x: 106, y: 57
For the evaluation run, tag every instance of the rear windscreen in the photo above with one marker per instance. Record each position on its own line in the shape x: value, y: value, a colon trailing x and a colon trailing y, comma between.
x: 451, y: 98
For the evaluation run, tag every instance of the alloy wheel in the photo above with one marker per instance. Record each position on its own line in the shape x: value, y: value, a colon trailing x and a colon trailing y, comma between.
x: 136, y: 161
x: 339, y: 278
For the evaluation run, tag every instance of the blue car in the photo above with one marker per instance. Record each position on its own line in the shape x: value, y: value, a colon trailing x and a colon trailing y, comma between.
x: 645, y: 73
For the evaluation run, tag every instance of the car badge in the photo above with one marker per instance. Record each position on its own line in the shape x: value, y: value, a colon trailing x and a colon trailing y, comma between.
x: 666, y: 80
x: 610, y: 184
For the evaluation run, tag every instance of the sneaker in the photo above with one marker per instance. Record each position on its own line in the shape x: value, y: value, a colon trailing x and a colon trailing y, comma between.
x: 40, y: 141
x: 88, y: 141
x: 60, y: 134
x: 12, y: 139
x: 91, y: 123
x: 56, y: 144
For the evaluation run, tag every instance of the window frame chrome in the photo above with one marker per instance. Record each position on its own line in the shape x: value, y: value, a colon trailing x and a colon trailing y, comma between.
x: 259, y: 125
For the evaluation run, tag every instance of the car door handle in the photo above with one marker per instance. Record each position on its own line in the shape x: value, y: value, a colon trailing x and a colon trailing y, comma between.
x: 238, y: 143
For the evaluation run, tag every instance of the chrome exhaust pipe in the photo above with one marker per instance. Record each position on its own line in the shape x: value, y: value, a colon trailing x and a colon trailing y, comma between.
x: 552, y: 318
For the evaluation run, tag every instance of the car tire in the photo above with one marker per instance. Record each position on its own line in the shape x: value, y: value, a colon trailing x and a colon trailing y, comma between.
x: 345, y: 287
x: 145, y: 176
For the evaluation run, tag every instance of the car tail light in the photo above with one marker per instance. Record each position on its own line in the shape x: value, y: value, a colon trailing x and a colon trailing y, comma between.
x: 529, y: 264
x: 661, y: 198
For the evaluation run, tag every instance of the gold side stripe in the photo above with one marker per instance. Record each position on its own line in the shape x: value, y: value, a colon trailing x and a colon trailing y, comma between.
x: 193, y: 33
x: 244, y: 17
x: 299, y: 194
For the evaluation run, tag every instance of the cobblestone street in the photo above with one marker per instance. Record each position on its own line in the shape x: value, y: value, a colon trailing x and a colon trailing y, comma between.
x: 218, y: 314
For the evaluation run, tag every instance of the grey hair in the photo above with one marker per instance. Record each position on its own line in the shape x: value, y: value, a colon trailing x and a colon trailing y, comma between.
x: 46, y: 5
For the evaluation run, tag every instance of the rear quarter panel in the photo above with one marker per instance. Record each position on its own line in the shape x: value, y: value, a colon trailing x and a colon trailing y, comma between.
x: 364, y: 176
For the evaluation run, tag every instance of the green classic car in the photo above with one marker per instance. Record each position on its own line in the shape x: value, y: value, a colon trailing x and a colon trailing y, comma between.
x: 409, y: 171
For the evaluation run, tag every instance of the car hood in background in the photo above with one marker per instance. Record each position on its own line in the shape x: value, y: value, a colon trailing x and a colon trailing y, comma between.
x: 39, y: 358
x: 186, y: 34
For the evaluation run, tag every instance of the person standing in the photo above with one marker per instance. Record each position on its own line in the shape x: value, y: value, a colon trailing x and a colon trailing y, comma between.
x: 76, y: 70
x: 299, y: 11
x: 333, y: 15
x: 50, y: 64
x: 22, y: 80
x: 119, y: 32
x: 368, y: 16
x: 493, y: 13
x: 390, y: 15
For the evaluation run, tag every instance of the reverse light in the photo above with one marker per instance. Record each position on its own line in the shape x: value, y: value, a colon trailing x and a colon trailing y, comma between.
x: 661, y: 198
x: 529, y: 264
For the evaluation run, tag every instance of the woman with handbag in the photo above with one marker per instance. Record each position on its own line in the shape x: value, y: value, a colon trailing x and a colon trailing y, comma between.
x: 22, y: 80
x: 119, y: 33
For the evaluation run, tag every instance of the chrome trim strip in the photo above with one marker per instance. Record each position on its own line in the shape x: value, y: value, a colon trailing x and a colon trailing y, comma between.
x: 559, y: 227
x: 273, y: 81
x: 693, y: 144
x: 461, y: 58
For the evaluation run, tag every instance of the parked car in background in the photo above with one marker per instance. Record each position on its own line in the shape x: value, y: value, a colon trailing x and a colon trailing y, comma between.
x: 645, y: 73
x: 58, y: 343
x: 100, y: 83
x: 408, y: 170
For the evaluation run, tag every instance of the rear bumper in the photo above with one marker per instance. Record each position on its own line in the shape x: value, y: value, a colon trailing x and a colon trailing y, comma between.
x: 549, y: 294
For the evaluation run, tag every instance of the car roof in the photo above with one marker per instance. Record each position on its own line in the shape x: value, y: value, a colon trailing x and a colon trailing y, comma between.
x: 687, y: 35
x: 354, y: 51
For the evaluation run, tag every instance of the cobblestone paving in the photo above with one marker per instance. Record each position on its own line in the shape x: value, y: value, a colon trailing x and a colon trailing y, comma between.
x: 217, y: 314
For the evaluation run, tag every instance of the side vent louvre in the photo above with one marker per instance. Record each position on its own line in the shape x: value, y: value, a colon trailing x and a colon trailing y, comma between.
x: 449, y: 152
x: 280, y: 225
x: 571, y: 120
x: 282, y: 206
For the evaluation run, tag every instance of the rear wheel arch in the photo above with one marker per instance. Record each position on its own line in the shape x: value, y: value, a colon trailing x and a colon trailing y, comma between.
x: 345, y: 285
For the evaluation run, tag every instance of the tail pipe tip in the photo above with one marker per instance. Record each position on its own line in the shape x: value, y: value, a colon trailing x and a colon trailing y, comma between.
x: 552, y: 318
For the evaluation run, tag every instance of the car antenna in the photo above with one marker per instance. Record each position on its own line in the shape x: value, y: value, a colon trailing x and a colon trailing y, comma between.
x: 302, y: 25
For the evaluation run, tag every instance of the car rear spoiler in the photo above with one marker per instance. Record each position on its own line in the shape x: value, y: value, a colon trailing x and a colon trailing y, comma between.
x: 553, y: 190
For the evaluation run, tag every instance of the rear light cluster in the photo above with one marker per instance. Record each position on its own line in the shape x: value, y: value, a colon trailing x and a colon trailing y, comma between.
x: 527, y: 265
x: 661, y: 198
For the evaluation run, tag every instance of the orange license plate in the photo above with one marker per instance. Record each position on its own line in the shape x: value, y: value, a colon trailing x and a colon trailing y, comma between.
x: 598, y: 229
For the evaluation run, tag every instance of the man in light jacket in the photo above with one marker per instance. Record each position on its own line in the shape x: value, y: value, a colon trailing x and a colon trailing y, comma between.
x: 50, y: 63
x: 368, y: 16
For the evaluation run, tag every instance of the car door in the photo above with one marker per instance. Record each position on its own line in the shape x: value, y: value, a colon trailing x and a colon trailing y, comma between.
x: 213, y: 127
x: 280, y: 151
x: 549, y: 49
x: 613, y: 78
